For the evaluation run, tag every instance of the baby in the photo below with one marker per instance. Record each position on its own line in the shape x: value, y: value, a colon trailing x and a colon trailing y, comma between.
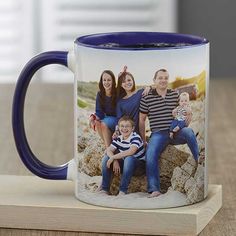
x: 180, y: 113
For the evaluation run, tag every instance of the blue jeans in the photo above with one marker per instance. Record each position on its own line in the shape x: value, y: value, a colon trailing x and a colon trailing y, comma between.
x: 158, y: 142
x: 128, y: 166
x: 180, y: 123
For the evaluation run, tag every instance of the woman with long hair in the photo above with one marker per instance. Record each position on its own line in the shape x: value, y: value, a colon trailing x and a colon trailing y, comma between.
x: 128, y: 97
x: 104, y: 120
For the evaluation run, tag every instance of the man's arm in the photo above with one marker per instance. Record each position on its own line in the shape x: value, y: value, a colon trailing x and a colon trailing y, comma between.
x: 174, y: 112
x: 142, y: 119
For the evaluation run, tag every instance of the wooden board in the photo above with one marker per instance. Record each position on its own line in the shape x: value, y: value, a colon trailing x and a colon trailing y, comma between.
x: 29, y: 202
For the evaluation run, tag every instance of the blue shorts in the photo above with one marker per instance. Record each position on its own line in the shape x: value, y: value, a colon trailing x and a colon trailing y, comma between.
x: 110, y: 122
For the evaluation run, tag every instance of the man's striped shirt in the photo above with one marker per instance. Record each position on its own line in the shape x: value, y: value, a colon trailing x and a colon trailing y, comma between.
x: 159, y: 109
x: 133, y: 140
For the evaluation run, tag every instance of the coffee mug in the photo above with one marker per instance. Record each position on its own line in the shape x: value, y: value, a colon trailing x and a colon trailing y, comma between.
x: 140, y: 119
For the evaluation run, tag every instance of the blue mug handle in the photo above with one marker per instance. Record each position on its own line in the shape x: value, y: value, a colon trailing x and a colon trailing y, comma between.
x: 29, y: 159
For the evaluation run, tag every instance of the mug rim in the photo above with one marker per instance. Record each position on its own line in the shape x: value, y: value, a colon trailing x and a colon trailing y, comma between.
x: 98, y: 40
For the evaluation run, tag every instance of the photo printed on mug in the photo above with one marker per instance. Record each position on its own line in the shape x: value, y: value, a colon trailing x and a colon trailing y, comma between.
x: 141, y: 126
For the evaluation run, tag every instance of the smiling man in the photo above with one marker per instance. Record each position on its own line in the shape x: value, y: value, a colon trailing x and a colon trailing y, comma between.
x: 158, y: 106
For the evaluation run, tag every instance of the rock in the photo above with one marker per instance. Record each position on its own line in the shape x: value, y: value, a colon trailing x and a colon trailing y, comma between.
x: 165, y: 183
x: 170, y: 159
x: 81, y: 143
x: 90, y: 164
x: 93, y: 183
x: 194, y: 194
x: 189, y: 179
x: 189, y: 166
x: 194, y: 187
x: 199, y: 177
x: 189, y: 185
x: 201, y: 160
x: 176, y: 164
x: 179, y: 179
x: 182, y: 174
x: 137, y: 184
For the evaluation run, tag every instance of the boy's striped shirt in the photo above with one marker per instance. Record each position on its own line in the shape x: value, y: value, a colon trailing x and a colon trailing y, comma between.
x: 123, y: 145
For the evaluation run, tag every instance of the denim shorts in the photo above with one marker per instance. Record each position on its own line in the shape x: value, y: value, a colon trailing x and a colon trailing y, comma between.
x: 110, y: 122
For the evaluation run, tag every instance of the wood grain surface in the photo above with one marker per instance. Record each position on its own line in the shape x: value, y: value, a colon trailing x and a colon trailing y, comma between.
x: 49, y: 127
x: 29, y: 202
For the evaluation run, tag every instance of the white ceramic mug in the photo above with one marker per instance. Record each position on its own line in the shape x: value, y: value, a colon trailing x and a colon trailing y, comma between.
x: 140, y: 119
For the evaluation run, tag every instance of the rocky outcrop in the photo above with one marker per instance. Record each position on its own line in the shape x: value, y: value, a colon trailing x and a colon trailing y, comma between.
x: 194, y: 186
x: 182, y: 174
x: 90, y: 164
x: 189, y: 179
x: 178, y: 171
x: 138, y: 184
x: 82, y: 143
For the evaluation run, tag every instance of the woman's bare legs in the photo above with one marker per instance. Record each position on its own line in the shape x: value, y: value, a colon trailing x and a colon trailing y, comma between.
x: 99, y: 129
x: 104, y: 132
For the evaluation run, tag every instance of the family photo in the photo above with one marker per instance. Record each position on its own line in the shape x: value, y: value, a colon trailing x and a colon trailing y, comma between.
x: 141, y: 141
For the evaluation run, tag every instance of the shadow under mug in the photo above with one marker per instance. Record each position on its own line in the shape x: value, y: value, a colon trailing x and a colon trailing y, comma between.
x: 150, y: 89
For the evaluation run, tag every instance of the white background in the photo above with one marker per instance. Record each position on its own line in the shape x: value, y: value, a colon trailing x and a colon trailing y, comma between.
x: 28, y: 27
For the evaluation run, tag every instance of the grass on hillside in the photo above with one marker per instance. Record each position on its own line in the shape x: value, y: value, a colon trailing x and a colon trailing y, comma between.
x: 87, y: 89
x: 199, y: 80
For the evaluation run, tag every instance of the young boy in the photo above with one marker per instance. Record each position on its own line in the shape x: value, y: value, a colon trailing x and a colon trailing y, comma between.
x: 180, y: 114
x: 129, y: 146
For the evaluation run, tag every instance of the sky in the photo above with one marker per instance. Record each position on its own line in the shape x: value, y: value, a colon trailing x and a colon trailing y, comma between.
x: 185, y: 63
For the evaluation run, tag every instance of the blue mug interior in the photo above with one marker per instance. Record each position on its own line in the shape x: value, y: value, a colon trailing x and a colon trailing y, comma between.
x: 129, y: 40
